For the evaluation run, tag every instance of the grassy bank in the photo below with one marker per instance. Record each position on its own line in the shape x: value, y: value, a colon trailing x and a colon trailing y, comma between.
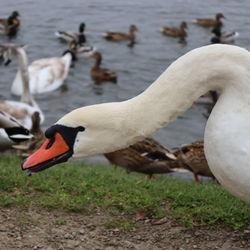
x: 77, y: 187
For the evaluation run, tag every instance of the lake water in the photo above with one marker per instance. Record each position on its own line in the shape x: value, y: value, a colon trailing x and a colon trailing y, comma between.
x: 136, y: 67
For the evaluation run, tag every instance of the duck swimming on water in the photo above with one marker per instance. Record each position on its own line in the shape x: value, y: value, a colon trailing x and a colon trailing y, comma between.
x: 209, y: 22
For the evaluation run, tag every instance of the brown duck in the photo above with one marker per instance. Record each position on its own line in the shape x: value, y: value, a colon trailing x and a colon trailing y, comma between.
x: 99, y: 74
x: 118, y: 36
x: 208, y: 22
x: 176, y: 32
x: 192, y: 157
x: 147, y: 156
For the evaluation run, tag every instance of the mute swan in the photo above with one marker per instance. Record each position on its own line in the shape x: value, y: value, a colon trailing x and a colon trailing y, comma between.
x: 11, y: 131
x: 107, y: 127
x: 24, y: 109
x: 45, y: 74
x: 208, y: 22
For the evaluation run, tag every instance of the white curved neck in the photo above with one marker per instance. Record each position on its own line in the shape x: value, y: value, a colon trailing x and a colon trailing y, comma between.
x: 23, y: 68
x: 192, y: 75
x: 67, y: 60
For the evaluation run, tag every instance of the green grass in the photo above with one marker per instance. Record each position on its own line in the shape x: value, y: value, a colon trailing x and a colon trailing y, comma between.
x: 77, y: 187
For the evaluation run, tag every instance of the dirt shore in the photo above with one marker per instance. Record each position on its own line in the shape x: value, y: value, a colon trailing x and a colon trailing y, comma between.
x: 60, y: 230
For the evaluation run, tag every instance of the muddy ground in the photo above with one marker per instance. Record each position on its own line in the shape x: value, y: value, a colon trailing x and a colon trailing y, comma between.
x: 36, y: 229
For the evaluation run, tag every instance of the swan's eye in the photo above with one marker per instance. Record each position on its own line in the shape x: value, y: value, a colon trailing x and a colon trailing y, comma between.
x: 81, y: 128
x: 50, y: 143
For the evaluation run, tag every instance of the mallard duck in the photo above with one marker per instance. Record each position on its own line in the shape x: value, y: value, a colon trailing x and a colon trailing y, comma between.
x: 223, y: 37
x: 147, y: 156
x: 69, y: 36
x: 26, y: 148
x: 10, y: 25
x: 208, y: 22
x: 83, y: 51
x: 118, y: 36
x: 192, y: 157
x: 44, y: 75
x: 107, y: 127
x: 24, y: 109
x: 99, y: 74
x: 176, y: 32
x: 11, y: 131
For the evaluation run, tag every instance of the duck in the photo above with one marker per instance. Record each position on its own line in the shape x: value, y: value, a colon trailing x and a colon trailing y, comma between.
x: 118, y: 36
x: 192, y: 158
x: 99, y: 74
x: 11, y: 131
x: 10, y: 25
x: 45, y: 75
x: 84, y: 51
x: 22, y: 110
x: 208, y: 22
x: 26, y: 148
x: 147, y: 156
x: 107, y: 127
x: 176, y: 32
x: 223, y: 37
x: 69, y: 36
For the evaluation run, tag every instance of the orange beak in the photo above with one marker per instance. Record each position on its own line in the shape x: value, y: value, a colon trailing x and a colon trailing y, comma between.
x: 53, y: 151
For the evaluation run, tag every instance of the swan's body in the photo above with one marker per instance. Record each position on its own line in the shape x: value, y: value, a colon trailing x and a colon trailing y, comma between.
x: 11, y: 131
x: 45, y: 75
x: 107, y: 127
x: 24, y: 109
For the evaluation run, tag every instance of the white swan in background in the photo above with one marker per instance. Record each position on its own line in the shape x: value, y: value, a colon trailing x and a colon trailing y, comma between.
x: 107, y: 127
x: 24, y: 109
x: 11, y: 131
x: 45, y: 74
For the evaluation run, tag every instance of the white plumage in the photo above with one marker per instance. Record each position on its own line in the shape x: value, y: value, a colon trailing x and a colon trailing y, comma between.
x: 108, y: 127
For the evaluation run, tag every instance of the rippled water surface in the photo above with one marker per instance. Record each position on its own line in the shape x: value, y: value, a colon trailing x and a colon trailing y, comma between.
x: 137, y: 67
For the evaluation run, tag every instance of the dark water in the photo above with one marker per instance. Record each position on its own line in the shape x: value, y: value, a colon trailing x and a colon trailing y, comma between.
x: 137, y: 67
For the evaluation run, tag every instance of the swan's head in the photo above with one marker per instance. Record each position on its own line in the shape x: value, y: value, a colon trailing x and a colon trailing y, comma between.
x: 9, y: 51
x: 83, y: 132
